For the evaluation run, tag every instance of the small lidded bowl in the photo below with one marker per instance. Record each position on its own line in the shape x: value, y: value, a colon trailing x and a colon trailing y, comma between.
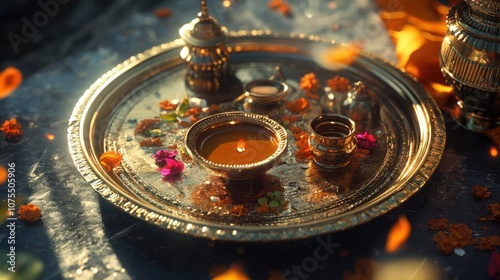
x: 264, y: 97
x: 361, y: 106
x: 236, y: 145
x: 332, y: 140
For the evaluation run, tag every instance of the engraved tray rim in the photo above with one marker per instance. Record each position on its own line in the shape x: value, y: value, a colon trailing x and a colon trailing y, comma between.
x: 430, y: 157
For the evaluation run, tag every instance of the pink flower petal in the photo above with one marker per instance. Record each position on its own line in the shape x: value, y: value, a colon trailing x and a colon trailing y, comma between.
x: 161, y: 156
x: 366, y: 140
x: 172, y: 168
x: 494, y: 266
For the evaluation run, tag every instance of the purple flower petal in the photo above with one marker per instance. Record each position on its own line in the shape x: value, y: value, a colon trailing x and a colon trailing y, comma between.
x: 366, y: 140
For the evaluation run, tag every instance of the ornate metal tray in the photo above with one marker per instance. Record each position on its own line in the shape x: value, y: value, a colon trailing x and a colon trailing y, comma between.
x: 410, y: 144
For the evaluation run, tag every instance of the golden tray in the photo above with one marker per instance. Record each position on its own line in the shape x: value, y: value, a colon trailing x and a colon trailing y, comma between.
x: 410, y: 144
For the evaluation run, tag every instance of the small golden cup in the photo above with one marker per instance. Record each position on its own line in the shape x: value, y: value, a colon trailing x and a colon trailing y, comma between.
x: 332, y: 140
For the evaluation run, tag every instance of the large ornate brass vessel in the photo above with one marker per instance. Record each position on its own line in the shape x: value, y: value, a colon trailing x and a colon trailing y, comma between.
x: 470, y: 62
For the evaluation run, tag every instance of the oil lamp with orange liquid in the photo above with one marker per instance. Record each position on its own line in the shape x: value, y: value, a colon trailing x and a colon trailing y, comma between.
x: 237, y: 145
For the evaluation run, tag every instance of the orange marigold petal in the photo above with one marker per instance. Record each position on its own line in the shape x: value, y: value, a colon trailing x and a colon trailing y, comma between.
x: 167, y: 105
x: 239, y: 210
x: 274, y: 4
x: 163, y: 12
x: 310, y: 83
x: 487, y: 242
x: 480, y: 192
x: 110, y: 160
x: 10, y: 79
x: 298, y: 105
x: 339, y: 84
x: 29, y: 213
x: 3, y: 174
x: 281, y: 6
x: 193, y: 111
x: 285, y: 9
x: 303, y: 152
x: 264, y: 208
x: 11, y: 129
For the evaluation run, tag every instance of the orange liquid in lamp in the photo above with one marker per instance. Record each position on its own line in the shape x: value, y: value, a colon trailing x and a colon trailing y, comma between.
x: 237, y: 144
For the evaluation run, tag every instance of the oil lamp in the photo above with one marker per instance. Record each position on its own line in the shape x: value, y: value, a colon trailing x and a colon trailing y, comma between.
x: 236, y: 145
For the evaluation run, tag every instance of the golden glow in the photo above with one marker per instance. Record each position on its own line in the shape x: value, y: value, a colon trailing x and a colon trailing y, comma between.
x: 417, y: 29
x: 240, y: 146
x: 398, y: 235
x: 415, y: 269
x: 235, y: 272
x: 226, y: 3
x: 493, y: 152
x: 338, y: 57
x: 49, y: 136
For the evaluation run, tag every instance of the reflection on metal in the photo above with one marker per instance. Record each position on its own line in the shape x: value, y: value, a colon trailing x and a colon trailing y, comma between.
x: 332, y: 140
x: 361, y: 106
x: 236, y: 171
x: 470, y: 62
x: 265, y: 97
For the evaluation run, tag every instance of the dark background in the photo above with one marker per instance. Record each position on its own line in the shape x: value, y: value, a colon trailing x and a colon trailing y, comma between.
x: 76, y: 25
